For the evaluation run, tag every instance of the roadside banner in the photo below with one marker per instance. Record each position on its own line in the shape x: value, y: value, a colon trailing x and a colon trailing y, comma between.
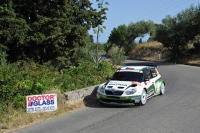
x: 41, y: 103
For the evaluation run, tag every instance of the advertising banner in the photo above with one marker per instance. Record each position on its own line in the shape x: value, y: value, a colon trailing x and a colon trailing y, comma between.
x: 38, y: 103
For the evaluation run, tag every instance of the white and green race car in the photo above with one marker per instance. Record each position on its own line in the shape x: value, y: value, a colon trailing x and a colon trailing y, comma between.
x: 131, y: 85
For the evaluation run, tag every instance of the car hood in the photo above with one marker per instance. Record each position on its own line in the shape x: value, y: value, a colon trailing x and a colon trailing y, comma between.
x: 120, y: 85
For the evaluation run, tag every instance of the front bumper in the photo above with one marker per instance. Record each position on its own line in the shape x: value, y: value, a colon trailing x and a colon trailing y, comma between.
x: 118, y: 100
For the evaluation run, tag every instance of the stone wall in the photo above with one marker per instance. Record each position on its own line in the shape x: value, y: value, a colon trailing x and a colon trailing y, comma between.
x: 80, y: 94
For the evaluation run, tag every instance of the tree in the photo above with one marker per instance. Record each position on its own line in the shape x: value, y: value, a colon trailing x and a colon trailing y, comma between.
x: 3, y: 55
x: 91, y: 38
x: 13, y: 33
x: 65, y: 29
x: 139, y: 29
x: 47, y: 30
x: 118, y: 36
x: 196, y: 42
x: 140, y: 41
x: 124, y: 36
x: 99, y: 19
x: 176, y: 32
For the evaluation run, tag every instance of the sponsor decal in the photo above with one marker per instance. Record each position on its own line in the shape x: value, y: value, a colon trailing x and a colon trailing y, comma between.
x: 150, y: 93
x: 119, y: 84
x: 38, y: 103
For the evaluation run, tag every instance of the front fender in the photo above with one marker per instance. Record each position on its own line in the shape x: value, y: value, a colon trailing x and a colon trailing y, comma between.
x: 100, y: 86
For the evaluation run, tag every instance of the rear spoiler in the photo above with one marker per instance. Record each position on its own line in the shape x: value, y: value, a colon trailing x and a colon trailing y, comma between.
x: 151, y: 65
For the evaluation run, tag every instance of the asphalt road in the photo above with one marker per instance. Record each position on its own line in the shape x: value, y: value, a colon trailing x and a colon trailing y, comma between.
x: 177, y: 111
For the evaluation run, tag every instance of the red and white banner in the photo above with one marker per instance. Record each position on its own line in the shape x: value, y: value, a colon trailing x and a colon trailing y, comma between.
x: 38, y: 103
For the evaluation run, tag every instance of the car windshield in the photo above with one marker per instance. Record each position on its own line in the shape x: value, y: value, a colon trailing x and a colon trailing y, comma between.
x: 128, y: 76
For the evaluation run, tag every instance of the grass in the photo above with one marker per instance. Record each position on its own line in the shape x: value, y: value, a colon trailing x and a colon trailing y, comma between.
x: 16, y: 119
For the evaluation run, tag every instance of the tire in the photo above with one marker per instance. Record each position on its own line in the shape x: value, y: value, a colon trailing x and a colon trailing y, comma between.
x: 162, y: 89
x: 143, y: 99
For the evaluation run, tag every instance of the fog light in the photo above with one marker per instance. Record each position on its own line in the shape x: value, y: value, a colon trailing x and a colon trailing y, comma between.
x: 137, y: 101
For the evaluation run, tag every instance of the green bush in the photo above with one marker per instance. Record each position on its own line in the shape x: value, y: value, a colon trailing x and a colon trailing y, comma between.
x: 86, y: 74
x: 108, y: 46
x: 94, y: 46
x: 129, y: 47
x: 196, y: 42
x: 20, y: 79
x: 119, y: 57
x: 112, y: 50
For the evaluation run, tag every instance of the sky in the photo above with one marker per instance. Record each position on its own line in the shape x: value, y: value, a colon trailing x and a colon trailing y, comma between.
x: 127, y: 11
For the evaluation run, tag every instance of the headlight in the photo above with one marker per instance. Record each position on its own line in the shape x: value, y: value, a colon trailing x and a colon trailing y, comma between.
x: 131, y: 91
x: 102, y: 89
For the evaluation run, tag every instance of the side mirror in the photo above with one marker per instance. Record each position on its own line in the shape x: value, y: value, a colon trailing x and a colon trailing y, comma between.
x: 146, y: 79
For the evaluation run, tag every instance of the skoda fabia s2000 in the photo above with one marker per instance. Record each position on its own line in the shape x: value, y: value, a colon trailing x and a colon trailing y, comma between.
x: 131, y: 85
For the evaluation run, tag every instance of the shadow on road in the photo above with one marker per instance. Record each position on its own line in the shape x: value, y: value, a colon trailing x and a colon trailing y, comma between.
x: 91, y: 100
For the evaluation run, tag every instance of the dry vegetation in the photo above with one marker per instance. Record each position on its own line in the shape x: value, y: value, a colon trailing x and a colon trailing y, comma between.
x: 149, y: 51
x: 154, y: 51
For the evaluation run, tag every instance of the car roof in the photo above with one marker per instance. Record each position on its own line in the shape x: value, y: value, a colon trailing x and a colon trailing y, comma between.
x: 134, y: 68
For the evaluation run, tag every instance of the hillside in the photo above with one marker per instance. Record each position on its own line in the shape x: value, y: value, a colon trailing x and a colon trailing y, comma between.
x: 154, y: 51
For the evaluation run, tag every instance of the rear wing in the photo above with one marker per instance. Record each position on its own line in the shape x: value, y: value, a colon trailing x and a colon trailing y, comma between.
x: 155, y: 66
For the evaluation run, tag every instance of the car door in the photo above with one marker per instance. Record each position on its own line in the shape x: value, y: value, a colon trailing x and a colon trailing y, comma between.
x: 149, y: 82
x: 155, y: 79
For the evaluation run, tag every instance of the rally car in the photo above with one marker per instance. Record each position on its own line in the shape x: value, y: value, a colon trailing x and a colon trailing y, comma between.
x: 131, y: 85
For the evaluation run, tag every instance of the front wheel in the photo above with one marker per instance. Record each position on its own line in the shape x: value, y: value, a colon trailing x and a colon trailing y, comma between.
x: 162, y: 89
x: 143, y: 99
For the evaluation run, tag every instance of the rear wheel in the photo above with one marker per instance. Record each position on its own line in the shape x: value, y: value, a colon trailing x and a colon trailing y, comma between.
x: 143, y: 99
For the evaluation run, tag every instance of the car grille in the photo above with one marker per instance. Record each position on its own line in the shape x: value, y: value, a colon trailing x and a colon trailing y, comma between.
x: 113, y: 97
x: 117, y: 93
x: 117, y: 101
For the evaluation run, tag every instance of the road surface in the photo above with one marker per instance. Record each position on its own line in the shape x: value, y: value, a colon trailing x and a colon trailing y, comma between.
x: 177, y: 111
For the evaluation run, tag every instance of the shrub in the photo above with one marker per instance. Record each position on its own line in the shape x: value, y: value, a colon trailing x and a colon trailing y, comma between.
x: 112, y: 50
x: 196, y: 42
x: 118, y: 58
x: 86, y: 74
x: 108, y: 46
x: 20, y: 79
x: 129, y: 47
